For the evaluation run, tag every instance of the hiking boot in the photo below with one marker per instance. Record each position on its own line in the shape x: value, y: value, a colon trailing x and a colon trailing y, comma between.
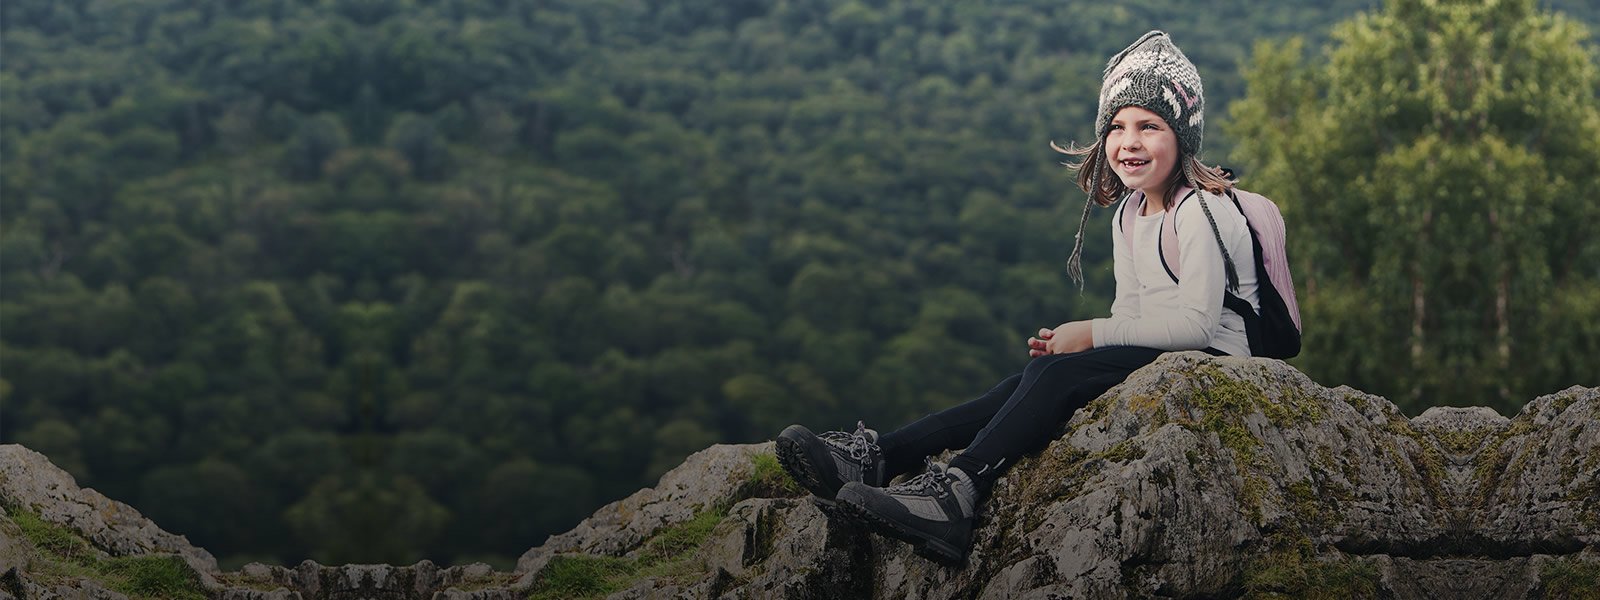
x: 824, y: 463
x: 933, y: 511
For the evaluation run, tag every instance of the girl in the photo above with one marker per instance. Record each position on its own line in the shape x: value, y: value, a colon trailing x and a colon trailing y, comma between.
x: 1148, y: 134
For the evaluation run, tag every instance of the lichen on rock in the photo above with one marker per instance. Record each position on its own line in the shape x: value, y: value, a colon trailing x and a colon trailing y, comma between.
x: 1226, y: 477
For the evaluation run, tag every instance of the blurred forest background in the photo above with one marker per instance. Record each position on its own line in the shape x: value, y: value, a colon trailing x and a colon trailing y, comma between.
x: 384, y: 280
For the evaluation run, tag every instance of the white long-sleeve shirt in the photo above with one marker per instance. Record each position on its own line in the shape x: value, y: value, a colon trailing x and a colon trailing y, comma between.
x: 1151, y: 310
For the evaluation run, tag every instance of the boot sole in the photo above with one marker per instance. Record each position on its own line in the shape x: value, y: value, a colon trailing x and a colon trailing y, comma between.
x: 931, y: 548
x: 793, y: 457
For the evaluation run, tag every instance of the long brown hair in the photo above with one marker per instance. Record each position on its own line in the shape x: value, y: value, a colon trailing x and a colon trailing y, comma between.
x: 1105, y: 188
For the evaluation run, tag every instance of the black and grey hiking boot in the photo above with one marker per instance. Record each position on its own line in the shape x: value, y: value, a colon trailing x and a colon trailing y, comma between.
x: 933, y: 511
x: 823, y: 463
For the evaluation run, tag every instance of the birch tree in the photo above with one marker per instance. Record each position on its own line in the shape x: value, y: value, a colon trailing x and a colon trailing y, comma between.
x: 1437, y: 168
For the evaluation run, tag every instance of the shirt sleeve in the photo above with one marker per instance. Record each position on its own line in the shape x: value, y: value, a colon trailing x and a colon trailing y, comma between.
x: 1200, y: 288
x: 1126, y: 304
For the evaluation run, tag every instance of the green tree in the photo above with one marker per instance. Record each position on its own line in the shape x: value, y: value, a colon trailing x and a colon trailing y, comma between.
x: 365, y: 516
x: 214, y: 502
x: 1434, y: 173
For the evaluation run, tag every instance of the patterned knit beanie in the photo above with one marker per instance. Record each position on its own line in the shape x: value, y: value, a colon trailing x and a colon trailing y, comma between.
x: 1154, y: 75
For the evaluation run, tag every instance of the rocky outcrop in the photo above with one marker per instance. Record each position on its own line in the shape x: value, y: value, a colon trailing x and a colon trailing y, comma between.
x: 1198, y: 477
x: 99, y: 527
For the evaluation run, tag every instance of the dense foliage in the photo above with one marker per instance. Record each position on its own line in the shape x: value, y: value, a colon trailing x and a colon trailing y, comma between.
x: 1437, y: 182
x: 382, y: 280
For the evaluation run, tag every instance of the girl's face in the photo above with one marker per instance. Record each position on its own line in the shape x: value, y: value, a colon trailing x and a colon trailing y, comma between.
x: 1142, y: 150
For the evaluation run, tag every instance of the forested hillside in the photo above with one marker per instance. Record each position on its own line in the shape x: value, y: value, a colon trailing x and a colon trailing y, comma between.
x: 382, y: 280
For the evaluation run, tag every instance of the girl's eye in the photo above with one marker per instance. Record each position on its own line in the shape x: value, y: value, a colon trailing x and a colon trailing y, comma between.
x: 1115, y: 126
x: 1151, y: 126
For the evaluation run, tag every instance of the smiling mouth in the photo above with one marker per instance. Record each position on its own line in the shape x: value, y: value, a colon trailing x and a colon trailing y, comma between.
x: 1134, y: 163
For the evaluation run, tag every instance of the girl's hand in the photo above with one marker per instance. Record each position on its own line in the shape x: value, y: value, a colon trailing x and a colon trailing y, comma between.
x: 1036, y: 346
x: 1076, y: 336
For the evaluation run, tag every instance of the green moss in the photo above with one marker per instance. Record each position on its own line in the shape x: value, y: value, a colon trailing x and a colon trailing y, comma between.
x: 1152, y: 408
x: 1492, y: 461
x: 1062, y: 470
x: 1151, y: 405
x: 1489, y: 465
x: 1331, y: 464
x: 58, y: 541
x: 1239, y: 439
x: 65, y: 555
x: 1302, y: 500
x: 669, y: 553
x: 1224, y: 401
x: 681, y: 538
x: 1292, y: 570
x: 1123, y: 451
x: 1143, y: 403
x: 1569, y: 470
x: 1588, y: 498
x: 497, y: 579
x: 1518, y: 427
x: 236, y: 579
x: 769, y: 480
x: 1426, y: 458
x: 1094, y: 409
x: 1292, y: 406
x: 1461, y: 442
x: 1563, y: 401
x: 1344, y: 432
x: 1571, y: 579
x: 1251, y: 495
x: 1519, y: 463
x: 1358, y: 402
x: 164, y: 576
x: 582, y: 576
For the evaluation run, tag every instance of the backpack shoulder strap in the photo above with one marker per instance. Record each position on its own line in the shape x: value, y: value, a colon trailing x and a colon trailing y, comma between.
x: 1125, y: 216
x: 1169, y: 241
x: 1169, y: 238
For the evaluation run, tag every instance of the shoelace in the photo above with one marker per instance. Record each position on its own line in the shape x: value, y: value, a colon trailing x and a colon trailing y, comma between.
x: 933, y: 482
x: 857, y: 444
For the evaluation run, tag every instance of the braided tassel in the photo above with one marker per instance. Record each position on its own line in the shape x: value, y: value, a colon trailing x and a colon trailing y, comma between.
x: 1096, y: 181
x: 1227, y: 261
x: 1075, y: 262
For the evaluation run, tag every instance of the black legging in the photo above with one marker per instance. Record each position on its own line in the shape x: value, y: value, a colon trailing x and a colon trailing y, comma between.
x: 1018, y: 416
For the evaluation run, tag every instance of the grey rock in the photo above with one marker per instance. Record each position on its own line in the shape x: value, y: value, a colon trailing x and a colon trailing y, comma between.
x: 705, y: 479
x: 29, y: 480
x: 423, y: 580
x: 109, y: 528
x: 1205, y: 477
x: 1537, y: 482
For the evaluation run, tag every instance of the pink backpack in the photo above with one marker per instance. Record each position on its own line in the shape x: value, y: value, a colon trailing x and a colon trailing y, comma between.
x: 1275, y: 331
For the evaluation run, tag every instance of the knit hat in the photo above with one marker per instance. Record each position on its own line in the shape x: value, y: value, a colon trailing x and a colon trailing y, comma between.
x: 1154, y: 75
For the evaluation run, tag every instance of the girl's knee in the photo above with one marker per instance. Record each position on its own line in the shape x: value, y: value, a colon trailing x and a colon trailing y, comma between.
x: 1038, y: 366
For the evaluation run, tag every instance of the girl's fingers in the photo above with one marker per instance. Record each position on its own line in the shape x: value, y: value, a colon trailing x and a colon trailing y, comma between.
x: 1045, y: 333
